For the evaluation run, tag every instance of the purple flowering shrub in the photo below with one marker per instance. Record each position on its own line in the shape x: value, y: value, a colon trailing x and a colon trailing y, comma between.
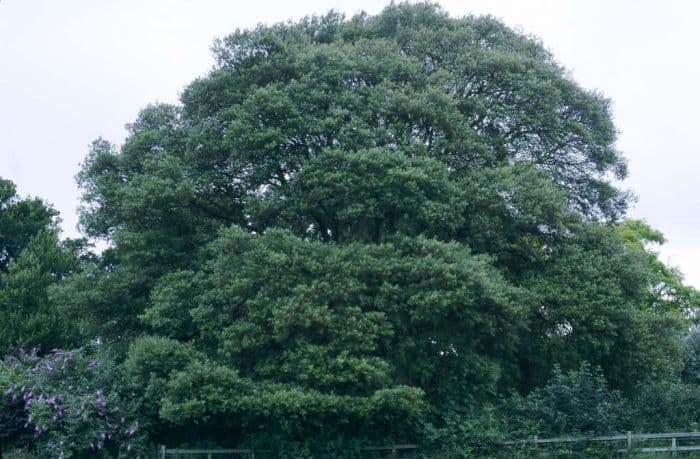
x: 72, y: 404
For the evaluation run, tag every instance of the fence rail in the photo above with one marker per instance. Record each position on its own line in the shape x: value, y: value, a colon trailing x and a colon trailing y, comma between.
x: 630, y: 438
x: 630, y: 442
x: 210, y: 453
x: 392, y: 450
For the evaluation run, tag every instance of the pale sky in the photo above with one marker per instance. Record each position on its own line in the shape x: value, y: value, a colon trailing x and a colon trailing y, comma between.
x: 73, y: 70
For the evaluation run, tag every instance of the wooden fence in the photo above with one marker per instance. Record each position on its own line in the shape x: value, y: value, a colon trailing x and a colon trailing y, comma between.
x: 623, y: 443
x: 391, y: 451
x: 629, y: 442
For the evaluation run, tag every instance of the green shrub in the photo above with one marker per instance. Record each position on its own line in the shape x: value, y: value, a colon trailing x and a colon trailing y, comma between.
x: 578, y: 402
x: 667, y: 405
x: 691, y: 357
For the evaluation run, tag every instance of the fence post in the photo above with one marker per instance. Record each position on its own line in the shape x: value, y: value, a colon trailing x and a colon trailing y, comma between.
x: 673, y: 446
x: 162, y: 451
x: 629, y: 440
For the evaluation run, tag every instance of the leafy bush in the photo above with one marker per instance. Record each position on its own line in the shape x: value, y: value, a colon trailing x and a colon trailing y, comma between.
x: 72, y: 404
x: 691, y: 357
x: 667, y: 405
x: 13, y: 420
x: 578, y: 402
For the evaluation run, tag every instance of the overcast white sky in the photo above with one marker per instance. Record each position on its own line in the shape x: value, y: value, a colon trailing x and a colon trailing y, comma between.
x: 73, y: 70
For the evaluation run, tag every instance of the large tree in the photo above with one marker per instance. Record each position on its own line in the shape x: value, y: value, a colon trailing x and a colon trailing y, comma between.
x: 347, y: 219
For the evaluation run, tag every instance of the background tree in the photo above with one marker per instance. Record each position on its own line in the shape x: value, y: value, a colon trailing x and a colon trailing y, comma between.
x: 20, y: 220
x: 666, y: 290
x: 32, y: 259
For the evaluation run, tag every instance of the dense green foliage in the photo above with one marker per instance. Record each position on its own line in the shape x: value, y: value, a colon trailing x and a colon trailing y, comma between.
x: 20, y: 220
x: 579, y: 401
x: 399, y: 228
x: 31, y: 260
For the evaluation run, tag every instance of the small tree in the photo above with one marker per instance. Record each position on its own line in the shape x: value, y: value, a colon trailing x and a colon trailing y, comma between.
x: 578, y: 402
